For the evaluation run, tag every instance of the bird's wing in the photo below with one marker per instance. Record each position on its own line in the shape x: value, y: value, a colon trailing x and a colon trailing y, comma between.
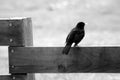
x: 70, y: 36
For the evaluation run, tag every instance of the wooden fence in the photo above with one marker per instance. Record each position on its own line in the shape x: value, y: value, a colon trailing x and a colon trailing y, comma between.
x: 25, y: 60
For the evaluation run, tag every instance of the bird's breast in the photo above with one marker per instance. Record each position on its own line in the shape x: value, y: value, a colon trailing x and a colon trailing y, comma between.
x: 78, y: 36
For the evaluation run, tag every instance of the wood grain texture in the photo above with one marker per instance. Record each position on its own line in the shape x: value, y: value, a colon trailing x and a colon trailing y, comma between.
x: 51, y: 60
x: 15, y: 77
x: 15, y: 32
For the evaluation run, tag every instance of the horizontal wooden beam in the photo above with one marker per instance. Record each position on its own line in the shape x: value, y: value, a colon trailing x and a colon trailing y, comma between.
x: 15, y: 31
x: 13, y: 77
x: 51, y: 60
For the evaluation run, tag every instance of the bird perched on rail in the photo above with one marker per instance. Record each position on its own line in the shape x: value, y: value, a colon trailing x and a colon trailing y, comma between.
x: 75, y: 36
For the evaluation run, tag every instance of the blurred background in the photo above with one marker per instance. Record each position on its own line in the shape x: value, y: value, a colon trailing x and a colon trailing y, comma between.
x: 52, y: 20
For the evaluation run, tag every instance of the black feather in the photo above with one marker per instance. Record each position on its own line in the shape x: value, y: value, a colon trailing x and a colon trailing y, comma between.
x: 75, y: 36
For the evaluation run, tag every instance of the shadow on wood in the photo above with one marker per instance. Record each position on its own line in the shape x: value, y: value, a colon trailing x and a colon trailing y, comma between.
x: 51, y: 60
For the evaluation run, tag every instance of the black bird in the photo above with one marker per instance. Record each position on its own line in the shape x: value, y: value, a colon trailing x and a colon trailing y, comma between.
x: 75, y: 36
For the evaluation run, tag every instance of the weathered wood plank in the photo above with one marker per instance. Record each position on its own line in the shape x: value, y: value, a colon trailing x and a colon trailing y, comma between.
x: 15, y: 32
x: 51, y: 60
x: 15, y: 77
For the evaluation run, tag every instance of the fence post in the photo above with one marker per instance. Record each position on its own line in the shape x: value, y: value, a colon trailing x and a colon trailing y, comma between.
x: 16, y: 32
x: 25, y: 39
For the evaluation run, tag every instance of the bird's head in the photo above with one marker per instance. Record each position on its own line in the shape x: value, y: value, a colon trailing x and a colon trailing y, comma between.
x: 80, y: 25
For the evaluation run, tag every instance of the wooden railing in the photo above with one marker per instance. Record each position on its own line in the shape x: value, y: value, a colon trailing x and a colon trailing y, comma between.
x: 25, y: 60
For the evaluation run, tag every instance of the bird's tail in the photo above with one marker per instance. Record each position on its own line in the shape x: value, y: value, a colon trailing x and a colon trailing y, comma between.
x: 66, y: 49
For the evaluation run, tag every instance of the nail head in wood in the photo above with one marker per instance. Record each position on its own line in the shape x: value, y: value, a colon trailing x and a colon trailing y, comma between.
x: 12, y: 51
x: 12, y: 66
x: 13, y: 78
x: 11, y: 40
x: 10, y: 24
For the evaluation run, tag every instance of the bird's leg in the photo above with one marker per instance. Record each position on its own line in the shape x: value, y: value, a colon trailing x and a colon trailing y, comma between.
x: 75, y: 45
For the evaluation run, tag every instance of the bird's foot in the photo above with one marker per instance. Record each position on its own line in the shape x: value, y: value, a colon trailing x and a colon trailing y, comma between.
x: 76, y: 46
